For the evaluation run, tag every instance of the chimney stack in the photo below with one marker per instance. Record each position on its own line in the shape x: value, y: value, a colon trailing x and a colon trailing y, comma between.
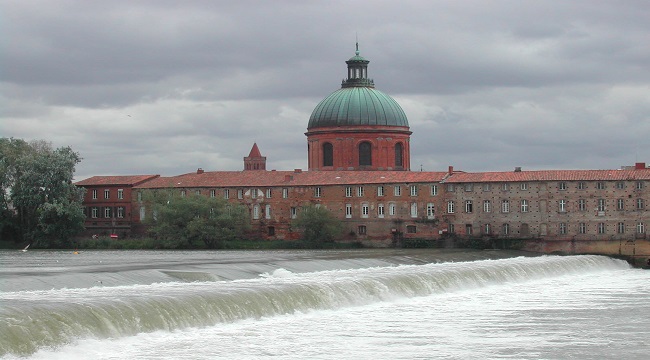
x: 639, y: 166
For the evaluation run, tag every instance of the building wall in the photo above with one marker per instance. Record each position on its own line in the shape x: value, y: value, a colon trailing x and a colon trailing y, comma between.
x: 119, y: 217
x: 553, y: 209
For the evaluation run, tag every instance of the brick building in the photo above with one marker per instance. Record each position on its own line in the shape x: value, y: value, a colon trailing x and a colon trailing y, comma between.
x: 359, y: 169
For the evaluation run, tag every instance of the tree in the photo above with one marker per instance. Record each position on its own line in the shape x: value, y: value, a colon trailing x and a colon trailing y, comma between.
x: 186, y: 220
x: 39, y: 203
x: 318, y: 226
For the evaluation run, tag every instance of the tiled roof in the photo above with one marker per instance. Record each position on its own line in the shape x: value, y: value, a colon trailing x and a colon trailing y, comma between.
x: 255, y: 152
x: 291, y: 178
x: 116, y: 180
x: 550, y: 175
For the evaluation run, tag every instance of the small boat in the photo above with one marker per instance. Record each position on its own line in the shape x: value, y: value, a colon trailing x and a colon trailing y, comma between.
x: 25, y: 249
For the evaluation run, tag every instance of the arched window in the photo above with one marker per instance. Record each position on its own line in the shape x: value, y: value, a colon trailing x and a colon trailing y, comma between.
x: 328, y: 154
x: 365, y: 154
x: 399, y: 155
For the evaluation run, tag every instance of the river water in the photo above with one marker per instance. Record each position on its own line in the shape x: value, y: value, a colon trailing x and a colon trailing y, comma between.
x: 357, y: 304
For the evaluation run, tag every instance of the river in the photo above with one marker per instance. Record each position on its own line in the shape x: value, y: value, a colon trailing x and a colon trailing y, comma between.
x: 356, y: 304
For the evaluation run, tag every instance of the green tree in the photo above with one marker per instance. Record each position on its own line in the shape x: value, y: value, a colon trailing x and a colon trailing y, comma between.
x: 185, y: 221
x: 39, y: 203
x: 318, y: 226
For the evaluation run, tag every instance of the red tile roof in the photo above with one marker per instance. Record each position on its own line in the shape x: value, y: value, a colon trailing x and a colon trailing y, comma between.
x: 255, y: 152
x: 550, y: 175
x: 116, y: 180
x: 291, y: 178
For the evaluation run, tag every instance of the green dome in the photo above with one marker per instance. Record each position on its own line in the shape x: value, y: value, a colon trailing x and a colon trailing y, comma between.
x: 357, y: 105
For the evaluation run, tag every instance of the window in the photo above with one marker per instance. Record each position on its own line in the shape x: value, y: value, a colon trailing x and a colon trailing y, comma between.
x: 226, y: 193
x: 601, y: 228
x: 365, y: 210
x: 450, y: 188
x: 505, y: 228
x: 487, y: 229
x: 561, y: 186
x: 562, y: 229
x: 505, y: 187
x: 95, y: 195
x: 285, y: 193
x: 365, y: 154
x: 120, y: 194
x: 197, y: 192
x: 348, y: 191
x: 392, y: 209
x: 328, y: 154
x: 523, y: 186
x: 620, y: 228
x: 397, y: 190
x: 411, y: 229
x: 639, y: 204
x: 267, y: 211
x: 271, y: 231
x: 620, y: 185
x: 450, y: 207
x: 487, y: 187
x: 143, y: 213
x: 582, y: 205
x: 269, y: 193
x: 213, y: 193
x: 399, y: 155
x: 293, y: 212
x: 562, y: 205
x: 582, y: 228
x: 524, y: 205
x: 434, y: 190
x: 361, y: 230
x: 620, y: 204
x: 317, y: 192
x: 120, y: 212
x: 468, y: 206
x: 601, y: 204
x: 431, y: 212
x: 107, y: 194
x: 107, y: 212
x: 348, y: 211
x: 240, y: 194
x: 640, y: 228
x: 94, y: 212
x: 380, y: 210
x: 254, y: 193
x: 639, y: 185
x: 505, y: 206
x: 468, y: 229
x: 600, y: 185
x: 256, y: 211
x: 183, y: 193
x: 469, y: 187
x: 414, y: 210
x: 380, y: 190
x: 359, y: 191
x: 451, y: 229
x: 487, y: 206
x: 414, y: 190
x: 581, y: 185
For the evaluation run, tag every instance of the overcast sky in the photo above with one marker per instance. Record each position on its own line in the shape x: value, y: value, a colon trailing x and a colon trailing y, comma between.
x: 166, y: 87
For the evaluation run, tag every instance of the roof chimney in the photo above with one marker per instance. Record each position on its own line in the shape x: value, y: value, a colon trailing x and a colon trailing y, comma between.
x: 288, y: 178
x: 451, y: 169
x: 199, y: 171
x: 517, y: 168
x: 639, y: 166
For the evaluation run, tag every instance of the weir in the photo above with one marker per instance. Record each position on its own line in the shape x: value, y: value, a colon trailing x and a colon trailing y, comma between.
x: 35, y: 319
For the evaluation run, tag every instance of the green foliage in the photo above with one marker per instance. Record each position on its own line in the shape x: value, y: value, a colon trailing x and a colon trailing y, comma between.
x: 189, y: 221
x: 38, y: 202
x: 318, y: 226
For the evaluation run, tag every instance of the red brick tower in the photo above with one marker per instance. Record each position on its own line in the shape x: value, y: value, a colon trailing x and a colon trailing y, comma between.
x: 255, y: 160
x: 358, y: 127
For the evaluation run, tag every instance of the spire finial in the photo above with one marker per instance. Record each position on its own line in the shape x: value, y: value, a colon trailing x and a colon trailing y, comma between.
x: 357, y: 38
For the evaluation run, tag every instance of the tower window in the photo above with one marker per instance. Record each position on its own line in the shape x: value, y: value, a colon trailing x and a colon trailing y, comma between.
x: 399, y: 151
x: 365, y: 154
x: 328, y: 154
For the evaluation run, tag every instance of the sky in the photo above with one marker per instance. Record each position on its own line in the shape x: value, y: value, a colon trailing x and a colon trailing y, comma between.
x: 166, y: 87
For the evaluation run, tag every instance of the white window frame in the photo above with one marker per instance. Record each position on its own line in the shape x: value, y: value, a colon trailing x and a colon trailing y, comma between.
x: 505, y: 206
x: 267, y: 211
x: 120, y: 194
x: 562, y: 205
x: 380, y: 190
x: 469, y: 206
x: 226, y: 194
x: 348, y: 191
x: 414, y: 190
x: 107, y: 212
x: 365, y: 210
x: 359, y: 191
x: 107, y: 194
x: 414, y: 210
x: 434, y: 190
x: 397, y: 190
x: 348, y: 211
x: 431, y: 211
x: 285, y: 193
x: 380, y: 210
x: 392, y: 209
x: 487, y: 206
x: 120, y: 212
x: 524, y: 205
x: 317, y: 191
x: 94, y: 194
x: 94, y: 212
x: 451, y: 207
x: 269, y: 193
